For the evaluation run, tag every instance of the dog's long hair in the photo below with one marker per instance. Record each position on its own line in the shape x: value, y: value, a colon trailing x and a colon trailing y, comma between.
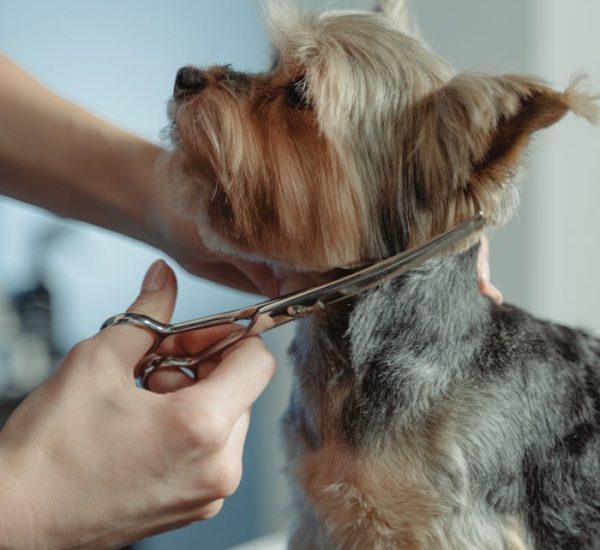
x: 360, y: 142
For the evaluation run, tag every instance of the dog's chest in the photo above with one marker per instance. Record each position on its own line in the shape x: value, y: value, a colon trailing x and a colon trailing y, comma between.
x: 372, y: 440
x: 409, y: 494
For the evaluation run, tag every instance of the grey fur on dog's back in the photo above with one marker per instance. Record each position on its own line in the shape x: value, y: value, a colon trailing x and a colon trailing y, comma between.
x: 522, y: 396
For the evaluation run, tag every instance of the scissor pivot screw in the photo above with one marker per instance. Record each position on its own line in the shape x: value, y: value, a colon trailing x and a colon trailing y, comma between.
x: 304, y: 311
x: 299, y: 311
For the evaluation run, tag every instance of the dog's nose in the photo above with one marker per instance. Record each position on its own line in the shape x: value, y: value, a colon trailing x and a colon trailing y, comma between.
x: 189, y: 81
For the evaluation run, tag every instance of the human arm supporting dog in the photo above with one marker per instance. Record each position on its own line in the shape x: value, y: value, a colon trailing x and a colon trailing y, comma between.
x: 58, y: 156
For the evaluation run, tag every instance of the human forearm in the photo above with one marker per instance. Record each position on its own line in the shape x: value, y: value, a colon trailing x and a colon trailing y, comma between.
x: 58, y: 156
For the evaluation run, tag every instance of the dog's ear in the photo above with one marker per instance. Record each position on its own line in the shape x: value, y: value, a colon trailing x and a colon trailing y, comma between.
x: 281, y: 18
x: 472, y: 134
x: 399, y: 11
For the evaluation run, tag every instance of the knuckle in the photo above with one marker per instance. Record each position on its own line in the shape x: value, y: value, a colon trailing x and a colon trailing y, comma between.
x: 225, y: 478
x: 259, y: 350
x: 269, y: 361
x: 213, y: 432
x: 106, y: 356
x: 209, y: 511
x: 83, y: 352
x: 230, y: 478
x: 91, y: 352
x: 87, y: 361
x: 265, y: 358
x: 203, y: 428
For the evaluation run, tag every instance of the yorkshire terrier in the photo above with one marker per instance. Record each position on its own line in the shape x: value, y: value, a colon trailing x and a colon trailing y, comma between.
x: 423, y: 414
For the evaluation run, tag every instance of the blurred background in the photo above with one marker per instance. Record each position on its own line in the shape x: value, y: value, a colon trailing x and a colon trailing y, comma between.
x: 59, y: 280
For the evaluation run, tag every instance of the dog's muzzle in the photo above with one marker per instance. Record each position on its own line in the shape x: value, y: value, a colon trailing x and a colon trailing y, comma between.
x: 189, y: 81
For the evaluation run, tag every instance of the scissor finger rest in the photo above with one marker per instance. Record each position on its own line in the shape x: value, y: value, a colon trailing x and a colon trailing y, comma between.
x: 158, y: 330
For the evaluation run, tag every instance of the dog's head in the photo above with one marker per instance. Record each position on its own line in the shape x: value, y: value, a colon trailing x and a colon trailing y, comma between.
x: 358, y: 143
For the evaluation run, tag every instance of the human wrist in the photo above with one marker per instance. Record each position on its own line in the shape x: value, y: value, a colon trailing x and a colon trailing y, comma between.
x: 97, y: 172
x: 162, y: 221
x: 138, y: 202
x: 17, y: 525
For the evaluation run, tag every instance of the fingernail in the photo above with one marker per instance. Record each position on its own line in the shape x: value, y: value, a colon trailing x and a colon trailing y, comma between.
x: 156, y: 277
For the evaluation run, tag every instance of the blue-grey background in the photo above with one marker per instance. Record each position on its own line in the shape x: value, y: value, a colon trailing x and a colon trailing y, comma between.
x: 118, y: 58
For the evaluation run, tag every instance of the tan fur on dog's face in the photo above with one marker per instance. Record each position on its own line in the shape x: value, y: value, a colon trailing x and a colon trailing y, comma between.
x: 358, y: 144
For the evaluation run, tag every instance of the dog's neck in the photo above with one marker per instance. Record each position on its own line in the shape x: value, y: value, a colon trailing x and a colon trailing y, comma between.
x: 394, y: 352
x: 289, y: 280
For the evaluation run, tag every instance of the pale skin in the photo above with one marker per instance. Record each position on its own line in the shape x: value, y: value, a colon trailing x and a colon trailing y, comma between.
x: 88, y: 460
x: 173, y: 454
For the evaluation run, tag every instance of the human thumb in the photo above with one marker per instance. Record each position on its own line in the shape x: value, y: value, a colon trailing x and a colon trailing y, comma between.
x: 158, y: 293
x: 156, y: 300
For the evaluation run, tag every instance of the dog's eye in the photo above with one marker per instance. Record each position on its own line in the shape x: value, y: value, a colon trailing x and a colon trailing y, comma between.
x: 274, y: 63
x: 296, y: 94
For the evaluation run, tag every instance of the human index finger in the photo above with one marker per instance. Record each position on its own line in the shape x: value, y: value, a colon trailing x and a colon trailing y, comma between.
x: 236, y: 383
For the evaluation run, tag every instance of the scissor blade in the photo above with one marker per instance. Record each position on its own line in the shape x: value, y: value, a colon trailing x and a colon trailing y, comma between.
x: 387, y: 270
x: 274, y: 313
x: 308, y: 301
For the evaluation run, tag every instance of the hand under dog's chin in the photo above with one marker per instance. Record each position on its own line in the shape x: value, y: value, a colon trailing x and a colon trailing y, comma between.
x: 289, y: 277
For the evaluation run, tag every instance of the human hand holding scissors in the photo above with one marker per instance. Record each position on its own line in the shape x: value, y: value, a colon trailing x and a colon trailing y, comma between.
x: 123, y: 463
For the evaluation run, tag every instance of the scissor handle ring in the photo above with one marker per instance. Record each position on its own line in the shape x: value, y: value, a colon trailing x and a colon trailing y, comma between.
x: 191, y: 364
x: 157, y: 330
x: 150, y: 367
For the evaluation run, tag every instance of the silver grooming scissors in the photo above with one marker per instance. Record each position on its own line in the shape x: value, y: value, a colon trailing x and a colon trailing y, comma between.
x: 267, y: 315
